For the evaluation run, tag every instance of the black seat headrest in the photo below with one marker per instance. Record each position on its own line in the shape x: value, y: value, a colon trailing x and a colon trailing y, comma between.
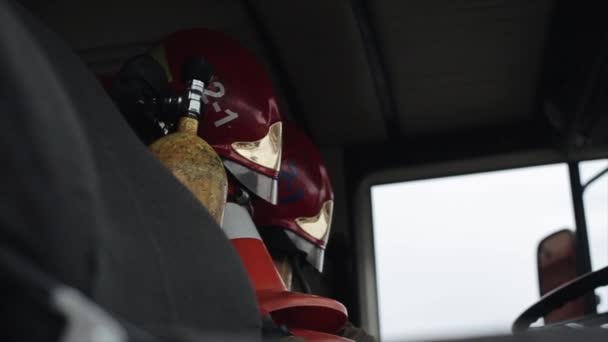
x: 83, y: 199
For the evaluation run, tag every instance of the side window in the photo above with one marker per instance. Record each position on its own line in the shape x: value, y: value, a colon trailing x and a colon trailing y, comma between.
x: 457, y: 255
x: 595, y: 198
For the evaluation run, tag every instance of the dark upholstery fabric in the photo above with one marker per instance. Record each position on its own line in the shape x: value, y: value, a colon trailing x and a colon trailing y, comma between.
x: 85, y: 201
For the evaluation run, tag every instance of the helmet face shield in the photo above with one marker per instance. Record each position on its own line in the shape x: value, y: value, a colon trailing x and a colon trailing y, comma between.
x: 263, y: 186
x: 318, y: 225
x: 265, y: 152
x: 315, y: 255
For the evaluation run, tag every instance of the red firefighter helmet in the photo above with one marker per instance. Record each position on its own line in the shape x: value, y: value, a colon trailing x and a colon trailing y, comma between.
x: 241, y: 120
x: 305, y: 205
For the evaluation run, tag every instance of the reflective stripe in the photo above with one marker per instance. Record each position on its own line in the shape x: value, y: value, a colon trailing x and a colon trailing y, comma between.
x: 260, y: 184
x: 315, y: 255
x: 241, y: 230
x: 238, y: 223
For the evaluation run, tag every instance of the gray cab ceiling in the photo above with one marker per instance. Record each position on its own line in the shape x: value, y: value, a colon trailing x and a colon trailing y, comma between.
x: 350, y: 71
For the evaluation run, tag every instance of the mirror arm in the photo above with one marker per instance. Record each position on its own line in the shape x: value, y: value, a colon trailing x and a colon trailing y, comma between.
x: 594, y: 178
x: 582, y: 240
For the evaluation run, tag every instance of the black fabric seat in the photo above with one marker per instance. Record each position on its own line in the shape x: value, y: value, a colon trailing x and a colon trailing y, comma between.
x: 85, y: 201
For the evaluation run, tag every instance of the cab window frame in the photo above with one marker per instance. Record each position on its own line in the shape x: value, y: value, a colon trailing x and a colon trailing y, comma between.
x: 363, y: 228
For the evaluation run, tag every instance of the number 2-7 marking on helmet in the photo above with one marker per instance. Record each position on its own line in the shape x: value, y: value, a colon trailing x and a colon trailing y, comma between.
x: 219, y: 92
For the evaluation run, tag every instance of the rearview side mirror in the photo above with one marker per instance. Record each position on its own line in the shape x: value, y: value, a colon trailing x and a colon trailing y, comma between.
x: 557, y: 264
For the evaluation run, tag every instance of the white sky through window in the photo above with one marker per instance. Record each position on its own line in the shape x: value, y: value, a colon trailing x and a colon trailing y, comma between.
x: 456, y: 256
x: 596, y: 212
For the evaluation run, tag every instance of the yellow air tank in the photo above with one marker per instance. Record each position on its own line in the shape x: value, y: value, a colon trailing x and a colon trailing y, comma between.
x: 192, y: 160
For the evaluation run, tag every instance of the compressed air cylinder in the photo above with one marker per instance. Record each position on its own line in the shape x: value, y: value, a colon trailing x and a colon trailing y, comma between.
x: 194, y: 162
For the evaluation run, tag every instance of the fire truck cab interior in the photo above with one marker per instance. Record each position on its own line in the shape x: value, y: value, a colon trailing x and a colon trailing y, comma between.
x: 391, y: 91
